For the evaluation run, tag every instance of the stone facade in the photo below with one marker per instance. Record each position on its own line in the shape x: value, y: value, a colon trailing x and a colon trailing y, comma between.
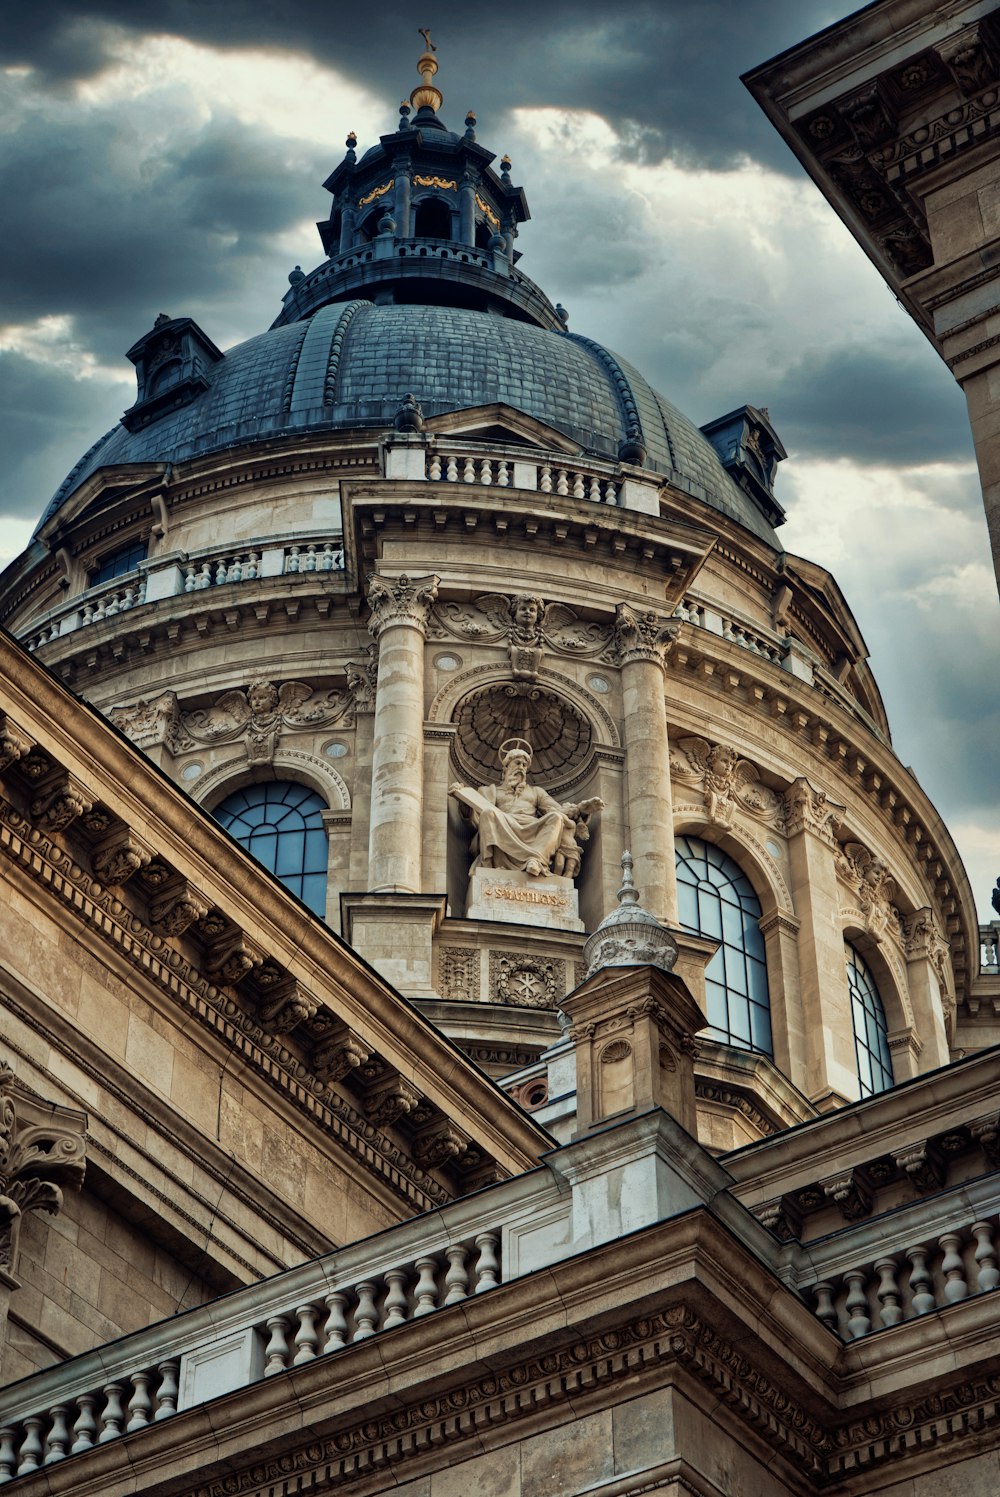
x: 316, y: 1248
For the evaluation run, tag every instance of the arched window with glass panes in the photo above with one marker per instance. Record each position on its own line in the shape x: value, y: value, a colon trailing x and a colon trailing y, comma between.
x: 871, y: 1033
x: 281, y: 824
x: 716, y: 899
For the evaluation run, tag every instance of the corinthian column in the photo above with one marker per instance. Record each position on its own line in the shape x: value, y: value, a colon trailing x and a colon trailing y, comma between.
x: 643, y: 638
x: 399, y: 611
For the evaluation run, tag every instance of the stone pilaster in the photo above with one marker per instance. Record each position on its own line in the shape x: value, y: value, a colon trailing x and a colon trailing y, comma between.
x: 931, y: 990
x: 830, y: 1067
x: 399, y: 612
x: 643, y: 639
x: 42, y: 1149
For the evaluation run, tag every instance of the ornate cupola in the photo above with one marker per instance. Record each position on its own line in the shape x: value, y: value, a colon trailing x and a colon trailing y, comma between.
x: 423, y: 216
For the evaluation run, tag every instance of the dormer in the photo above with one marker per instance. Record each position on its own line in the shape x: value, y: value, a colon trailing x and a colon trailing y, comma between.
x: 750, y: 450
x: 171, y: 364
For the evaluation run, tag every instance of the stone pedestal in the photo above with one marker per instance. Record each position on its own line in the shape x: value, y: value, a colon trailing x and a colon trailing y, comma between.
x: 508, y: 894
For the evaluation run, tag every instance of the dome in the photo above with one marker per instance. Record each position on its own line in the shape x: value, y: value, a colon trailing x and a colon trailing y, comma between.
x: 350, y: 363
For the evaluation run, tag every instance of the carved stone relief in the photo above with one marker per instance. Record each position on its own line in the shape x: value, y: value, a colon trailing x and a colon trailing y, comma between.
x: 458, y: 972
x: 809, y: 809
x: 868, y: 876
x: 528, y: 624
x: 526, y: 981
x: 42, y: 1149
x: 728, y: 782
x: 258, y: 715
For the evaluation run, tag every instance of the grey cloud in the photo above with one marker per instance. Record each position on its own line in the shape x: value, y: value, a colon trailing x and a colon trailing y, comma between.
x: 666, y: 75
x: 50, y: 420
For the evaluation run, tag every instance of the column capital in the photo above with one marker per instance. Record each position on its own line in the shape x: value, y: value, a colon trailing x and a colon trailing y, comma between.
x: 400, y: 600
x: 41, y: 1145
x: 642, y: 634
x: 812, y: 810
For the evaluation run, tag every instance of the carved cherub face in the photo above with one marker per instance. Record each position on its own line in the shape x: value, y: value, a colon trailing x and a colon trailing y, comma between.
x: 262, y: 697
x: 527, y: 613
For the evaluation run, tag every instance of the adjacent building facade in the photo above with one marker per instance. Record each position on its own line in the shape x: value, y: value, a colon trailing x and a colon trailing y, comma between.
x: 394, y: 627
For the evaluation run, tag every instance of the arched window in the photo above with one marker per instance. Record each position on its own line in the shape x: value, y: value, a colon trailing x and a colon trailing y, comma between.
x: 432, y: 219
x: 281, y: 824
x: 716, y: 899
x: 871, y: 1033
x: 117, y: 563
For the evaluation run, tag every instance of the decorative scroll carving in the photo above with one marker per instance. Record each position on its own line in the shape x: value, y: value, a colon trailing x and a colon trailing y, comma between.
x: 390, y: 1101
x: 847, y: 1192
x: 156, y: 721
x: 42, y: 1149
x: 286, y: 1006
x: 458, y: 972
x: 261, y: 712
x: 970, y: 58
x: 335, y: 1056
x: 809, y: 809
x: 174, y: 911
x: 59, y: 803
x: 13, y: 745
x: 642, y: 635
x: 400, y: 600
x: 923, y: 1167
x: 440, y: 1146
x: 361, y: 680
x: 526, y: 981
x: 115, y: 861
x: 230, y: 960
x: 527, y: 623
x: 727, y: 780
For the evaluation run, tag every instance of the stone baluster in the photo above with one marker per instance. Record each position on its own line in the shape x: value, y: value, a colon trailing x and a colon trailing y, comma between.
x: 488, y: 1263
x: 434, y: 467
x: 988, y: 1274
x: 8, y: 1453
x: 456, y: 1281
x: 452, y: 469
x: 545, y: 478
x: 562, y: 481
x: 221, y: 572
x: 955, y: 1287
x: 400, y: 611
x: 292, y: 560
x: 336, y: 1320
x: 642, y: 641
x: 426, y: 1290
x: 85, y: 1425
x: 595, y: 490
x: 610, y: 493
x: 891, y: 1311
x: 31, y: 1451
x: 327, y: 562
x: 309, y: 562
x: 113, y: 1415
x: 503, y: 475
x: 366, y: 1315
x: 140, y: 1405
x: 166, y: 1393
x: 486, y: 477
x: 469, y: 471
x: 57, y: 1442
x: 824, y: 1305
x: 276, y: 1351
x: 921, y: 1286
x: 307, y: 1336
x: 579, y: 491
x: 234, y: 572
x: 251, y: 567
x: 859, y: 1321
x: 396, y: 1303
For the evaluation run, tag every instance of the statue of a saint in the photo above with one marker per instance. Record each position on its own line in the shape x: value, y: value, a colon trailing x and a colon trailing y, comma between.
x: 520, y: 825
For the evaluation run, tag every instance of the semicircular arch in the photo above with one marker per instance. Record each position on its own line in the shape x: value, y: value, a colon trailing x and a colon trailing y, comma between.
x: 763, y: 871
x: 288, y: 764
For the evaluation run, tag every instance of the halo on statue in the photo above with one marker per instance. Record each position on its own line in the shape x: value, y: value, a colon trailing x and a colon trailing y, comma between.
x: 514, y: 746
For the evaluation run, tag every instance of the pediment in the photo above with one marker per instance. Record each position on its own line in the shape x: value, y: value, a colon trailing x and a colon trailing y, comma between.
x: 502, y: 423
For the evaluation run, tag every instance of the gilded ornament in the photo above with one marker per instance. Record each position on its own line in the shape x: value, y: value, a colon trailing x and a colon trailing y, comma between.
x: 487, y: 212
x: 377, y: 192
x: 444, y: 183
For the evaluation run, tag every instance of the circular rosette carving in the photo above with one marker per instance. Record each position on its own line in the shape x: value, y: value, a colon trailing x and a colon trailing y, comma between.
x: 560, y: 737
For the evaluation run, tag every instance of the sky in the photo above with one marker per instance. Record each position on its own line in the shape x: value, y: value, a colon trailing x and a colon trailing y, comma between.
x: 169, y: 158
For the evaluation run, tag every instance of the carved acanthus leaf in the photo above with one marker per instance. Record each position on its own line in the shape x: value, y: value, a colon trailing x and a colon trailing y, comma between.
x: 58, y: 803
x: 642, y: 634
x: 400, y: 600
x: 286, y: 1006
x: 115, y: 860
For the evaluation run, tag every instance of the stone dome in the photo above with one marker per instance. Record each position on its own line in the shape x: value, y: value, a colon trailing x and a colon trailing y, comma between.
x: 350, y: 363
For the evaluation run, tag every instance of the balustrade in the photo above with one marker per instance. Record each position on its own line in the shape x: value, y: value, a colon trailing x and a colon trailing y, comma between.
x: 310, y: 1325
x: 913, y: 1281
x: 194, y: 575
x: 989, y: 948
x: 547, y: 478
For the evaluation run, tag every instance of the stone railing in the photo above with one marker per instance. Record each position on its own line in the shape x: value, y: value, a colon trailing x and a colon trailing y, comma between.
x: 912, y: 1281
x: 989, y: 948
x: 545, y: 477
x: 173, y: 575
x: 773, y: 648
x: 320, y: 1308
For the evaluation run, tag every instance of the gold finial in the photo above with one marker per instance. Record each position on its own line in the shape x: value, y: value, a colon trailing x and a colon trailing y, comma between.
x: 427, y: 66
